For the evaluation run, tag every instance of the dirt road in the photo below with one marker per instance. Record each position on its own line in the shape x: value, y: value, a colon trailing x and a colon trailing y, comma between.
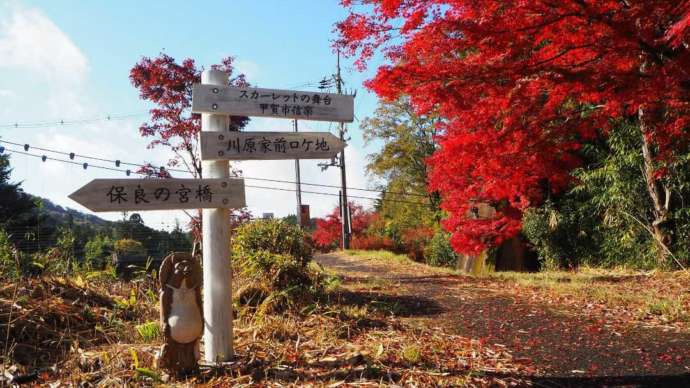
x: 569, y: 346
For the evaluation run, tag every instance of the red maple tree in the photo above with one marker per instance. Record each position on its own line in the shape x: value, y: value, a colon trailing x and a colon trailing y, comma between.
x: 521, y: 86
x: 168, y: 84
x: 328, y: 233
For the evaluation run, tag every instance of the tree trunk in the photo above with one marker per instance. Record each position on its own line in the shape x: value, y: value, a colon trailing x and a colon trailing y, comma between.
x: 660, y: 194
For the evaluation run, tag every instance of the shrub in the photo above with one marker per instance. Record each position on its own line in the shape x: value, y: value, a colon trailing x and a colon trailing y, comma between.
x: 129, y: 247
x: 415, y: 240
x: 371, y: 243
x: 96, y: 251
x: 274, y: 236
x: 270, y: 258
x: 8, y: 265
x: 439, y: 252
x: 328, y: 233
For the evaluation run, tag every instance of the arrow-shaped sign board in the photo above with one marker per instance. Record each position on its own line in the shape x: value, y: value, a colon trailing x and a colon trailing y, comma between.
x: 286, y: 104
x: 105, y: 195
x: 269, y: 145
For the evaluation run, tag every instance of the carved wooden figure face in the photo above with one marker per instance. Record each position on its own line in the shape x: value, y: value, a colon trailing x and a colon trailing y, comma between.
x: 180, y: 268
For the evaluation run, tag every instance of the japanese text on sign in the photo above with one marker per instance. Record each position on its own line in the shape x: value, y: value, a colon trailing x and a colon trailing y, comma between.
x: 269, y: 145
x: 275, y: 103
x: 183, y: 194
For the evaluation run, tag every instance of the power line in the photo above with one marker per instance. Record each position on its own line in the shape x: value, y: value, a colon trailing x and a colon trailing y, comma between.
x: 84, y: 165
x: 44, y: 124
x: 128, y: 172
x: 118, y: 162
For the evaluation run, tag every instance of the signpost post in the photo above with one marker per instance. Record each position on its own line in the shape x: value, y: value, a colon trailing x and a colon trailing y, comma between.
x: 217, y: 192
x: 217, y: 291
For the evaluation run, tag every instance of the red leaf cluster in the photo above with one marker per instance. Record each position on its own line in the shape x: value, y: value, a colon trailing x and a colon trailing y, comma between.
x: 168, y: 85
x: 328, y: 233
x: 521, y: 85
x: 372, y: 242
x: 415, y: 240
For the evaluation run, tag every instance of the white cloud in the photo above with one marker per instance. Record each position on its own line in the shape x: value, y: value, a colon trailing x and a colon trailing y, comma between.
x: 6, y: 93
x: 31, y: 41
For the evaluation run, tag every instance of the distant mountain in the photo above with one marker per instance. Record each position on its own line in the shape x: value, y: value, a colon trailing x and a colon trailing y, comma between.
x: 63, y: 215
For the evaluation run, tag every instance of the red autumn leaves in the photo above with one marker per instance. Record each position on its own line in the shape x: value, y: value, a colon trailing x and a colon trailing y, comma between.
x: 522, y: 85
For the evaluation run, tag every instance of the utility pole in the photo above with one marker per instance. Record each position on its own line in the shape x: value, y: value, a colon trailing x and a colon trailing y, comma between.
x: 298, y: 190
x: 345, y: 208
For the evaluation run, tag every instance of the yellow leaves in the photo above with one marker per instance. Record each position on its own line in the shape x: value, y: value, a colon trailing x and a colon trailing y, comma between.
x: 135, y: 358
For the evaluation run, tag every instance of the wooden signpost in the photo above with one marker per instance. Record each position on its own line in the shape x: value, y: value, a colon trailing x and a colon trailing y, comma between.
x: 109, y: 195
x: 269, y: 145
x: 217, y: 192
x: 286, y: 104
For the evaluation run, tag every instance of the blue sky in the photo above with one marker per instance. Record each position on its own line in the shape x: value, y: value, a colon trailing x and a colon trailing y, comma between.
x: 66, y: 60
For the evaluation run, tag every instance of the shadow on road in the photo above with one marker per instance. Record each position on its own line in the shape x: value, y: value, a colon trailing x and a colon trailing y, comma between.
x: 399, y: 305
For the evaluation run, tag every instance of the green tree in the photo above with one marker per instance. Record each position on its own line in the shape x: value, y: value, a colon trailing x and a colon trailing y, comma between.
x: 130, y: 247
x: 97, y: 251
x: 16, y: 207
x: 606, y: 218
x: 408, y: 139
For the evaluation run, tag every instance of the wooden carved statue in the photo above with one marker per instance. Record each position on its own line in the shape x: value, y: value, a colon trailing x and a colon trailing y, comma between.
x: 181, y: 313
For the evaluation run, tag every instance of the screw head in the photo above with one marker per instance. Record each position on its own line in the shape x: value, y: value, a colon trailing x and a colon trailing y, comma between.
x: 224, y: 184
x: 221, y: 137
x: 214, y: 106
x: 225, y: 201
x: 215, y: 90
x: 221, y: 153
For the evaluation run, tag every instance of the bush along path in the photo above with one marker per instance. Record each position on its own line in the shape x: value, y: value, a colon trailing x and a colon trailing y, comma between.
x: 565, y: 329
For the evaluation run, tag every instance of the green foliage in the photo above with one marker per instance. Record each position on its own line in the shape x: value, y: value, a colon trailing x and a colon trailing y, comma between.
x: 274, y: 236
x: 412, y: 354
x: 271, y: 259
x: 606, y: 218
x: 97, y: 251
x: 439, y: 252
x: 8, y: 264
x: 14, y: 203
x: 291, y: 219
x: 149, y: 331
x: 129, y: 247
x: 408, y: 140
x: 565, y: 235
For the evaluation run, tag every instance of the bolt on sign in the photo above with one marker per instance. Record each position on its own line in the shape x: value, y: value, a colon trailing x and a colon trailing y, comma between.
x: 102, y: 195
x: 287, y: 104
x: 269, y: 145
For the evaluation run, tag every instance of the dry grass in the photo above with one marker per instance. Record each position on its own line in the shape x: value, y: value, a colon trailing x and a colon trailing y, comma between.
x: 333, y: 339
x: 654, y: 296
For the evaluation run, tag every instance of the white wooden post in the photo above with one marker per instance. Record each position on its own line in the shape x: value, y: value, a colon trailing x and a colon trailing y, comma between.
x: 216, y: 247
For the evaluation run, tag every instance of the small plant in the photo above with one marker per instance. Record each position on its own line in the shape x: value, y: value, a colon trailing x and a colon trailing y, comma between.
x: 149, y: 331
x: 331, y: 282
x: 671, y: 309
x: 412, y: 354
x: 439, y: 252
x: 97, y: 251
x: 126, y: 304
x: 8, y: 263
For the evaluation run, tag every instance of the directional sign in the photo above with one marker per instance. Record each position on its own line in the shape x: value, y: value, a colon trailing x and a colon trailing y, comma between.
x: 103, y: 195
x: 269, y: 145
x: 287, y: 104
